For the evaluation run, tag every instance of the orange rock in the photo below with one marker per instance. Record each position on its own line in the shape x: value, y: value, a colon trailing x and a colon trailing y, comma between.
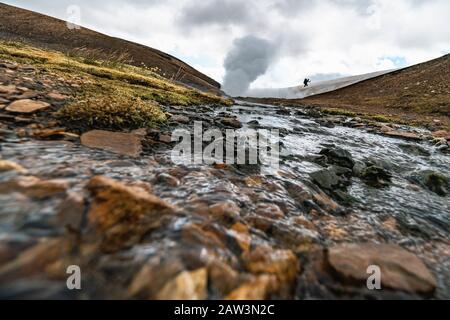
x: 442, y: 134
x: 27, y: 106
x: 400, y: 269
x: 281, y: 263
x: 225, y: 209
x: 257, y: 289
x: 118, y: 142
x: 269, y: 210
x: 222, y: 277
x: 6, y: 165
x: 403, y: 135
x: 253, y: 181
x: 8, y: 89
x: 116, y: 203
x: 35, y: 260
x: 186, y: 286
x: 240, y: 233
x: 57, y: 133
x: 35, y: 187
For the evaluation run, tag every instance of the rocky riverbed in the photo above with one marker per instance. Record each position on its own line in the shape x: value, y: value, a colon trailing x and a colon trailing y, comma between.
x: 348, y: 194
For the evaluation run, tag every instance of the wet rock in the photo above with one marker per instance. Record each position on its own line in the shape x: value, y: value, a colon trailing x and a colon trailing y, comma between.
x: 165, y: 138
x: 259, y: 288
x: 167, y: 179
x: 11, y: 245
x: 385, y: 129
x: 186, y: 286
x: 206, y: 235
x: 339, y: 157
x: 27, y: 106
x: 222, y: 278
x: 442, y: 134
x: 25, y: 95
x: 327, y: 204
x: 115, y: 203
x: 400, y: 269
x: 225, y: 210
x: 376, y: 176
x: 231, y: 122
x: 180, y: 119
x: 326, y: 179
x: 70, y: 211
x: 415, y: 150
x: 118, y: 142
x: 240, y: 233
x: 6, y: 165
x: 34, y: 187
x: 283, y: 112
x: 269, y: 210
x: 265, y: 260
x: 35, y: 260
x: 142, y: 132
x: 433, y: 181
x: 55, y: 134
x: 403, y: 135
x: 153, y: 276
x: 36, y: 290
x: 8, y: 90
x: 253, y: 123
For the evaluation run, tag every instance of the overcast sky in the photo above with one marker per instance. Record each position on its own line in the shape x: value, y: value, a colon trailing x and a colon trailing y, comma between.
x: 291, y: 39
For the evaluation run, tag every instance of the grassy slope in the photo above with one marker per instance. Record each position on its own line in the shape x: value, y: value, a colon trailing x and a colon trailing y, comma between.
x: 113, y: 95
x: 418, y: 95
x: 43, y: 31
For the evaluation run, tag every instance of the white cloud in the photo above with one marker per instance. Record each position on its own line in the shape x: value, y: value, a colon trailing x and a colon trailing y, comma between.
x: 314, y: 37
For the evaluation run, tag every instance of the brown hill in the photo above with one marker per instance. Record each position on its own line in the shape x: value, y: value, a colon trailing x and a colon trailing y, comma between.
x: 47, y: 32
x: 418, y: 94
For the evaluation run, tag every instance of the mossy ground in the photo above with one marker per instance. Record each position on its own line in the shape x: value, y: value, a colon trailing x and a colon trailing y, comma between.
x: 114, y: 95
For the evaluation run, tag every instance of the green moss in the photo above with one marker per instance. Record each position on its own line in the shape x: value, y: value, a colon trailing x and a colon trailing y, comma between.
x: 110, y: 110
x: 339, y: 112
x: 115, y: 95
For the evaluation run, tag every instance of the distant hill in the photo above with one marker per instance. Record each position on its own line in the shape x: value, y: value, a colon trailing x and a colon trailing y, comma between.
x: 44, y: 31
x: 314, y: 88
x: 420, y: 91
x: 419, y: 94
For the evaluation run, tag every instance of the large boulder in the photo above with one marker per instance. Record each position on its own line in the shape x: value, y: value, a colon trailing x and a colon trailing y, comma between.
x: 127, y: 144
x: 115, y: 203
x: 376, y: 176
x: 339, y: 157
x: 121, y: 215
x: 433, y: 181
x: 400, y: 269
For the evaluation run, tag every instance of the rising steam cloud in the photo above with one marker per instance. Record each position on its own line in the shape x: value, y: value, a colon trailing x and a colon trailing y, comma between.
x: 249, y: 58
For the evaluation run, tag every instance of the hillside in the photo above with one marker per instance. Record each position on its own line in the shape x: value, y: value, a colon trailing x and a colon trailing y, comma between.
x: 40, y: 30
x: 418, y: 95
x: 315, y: 88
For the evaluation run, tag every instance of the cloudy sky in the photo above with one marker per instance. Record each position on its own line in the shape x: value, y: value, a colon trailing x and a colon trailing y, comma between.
x: 276, y: 42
